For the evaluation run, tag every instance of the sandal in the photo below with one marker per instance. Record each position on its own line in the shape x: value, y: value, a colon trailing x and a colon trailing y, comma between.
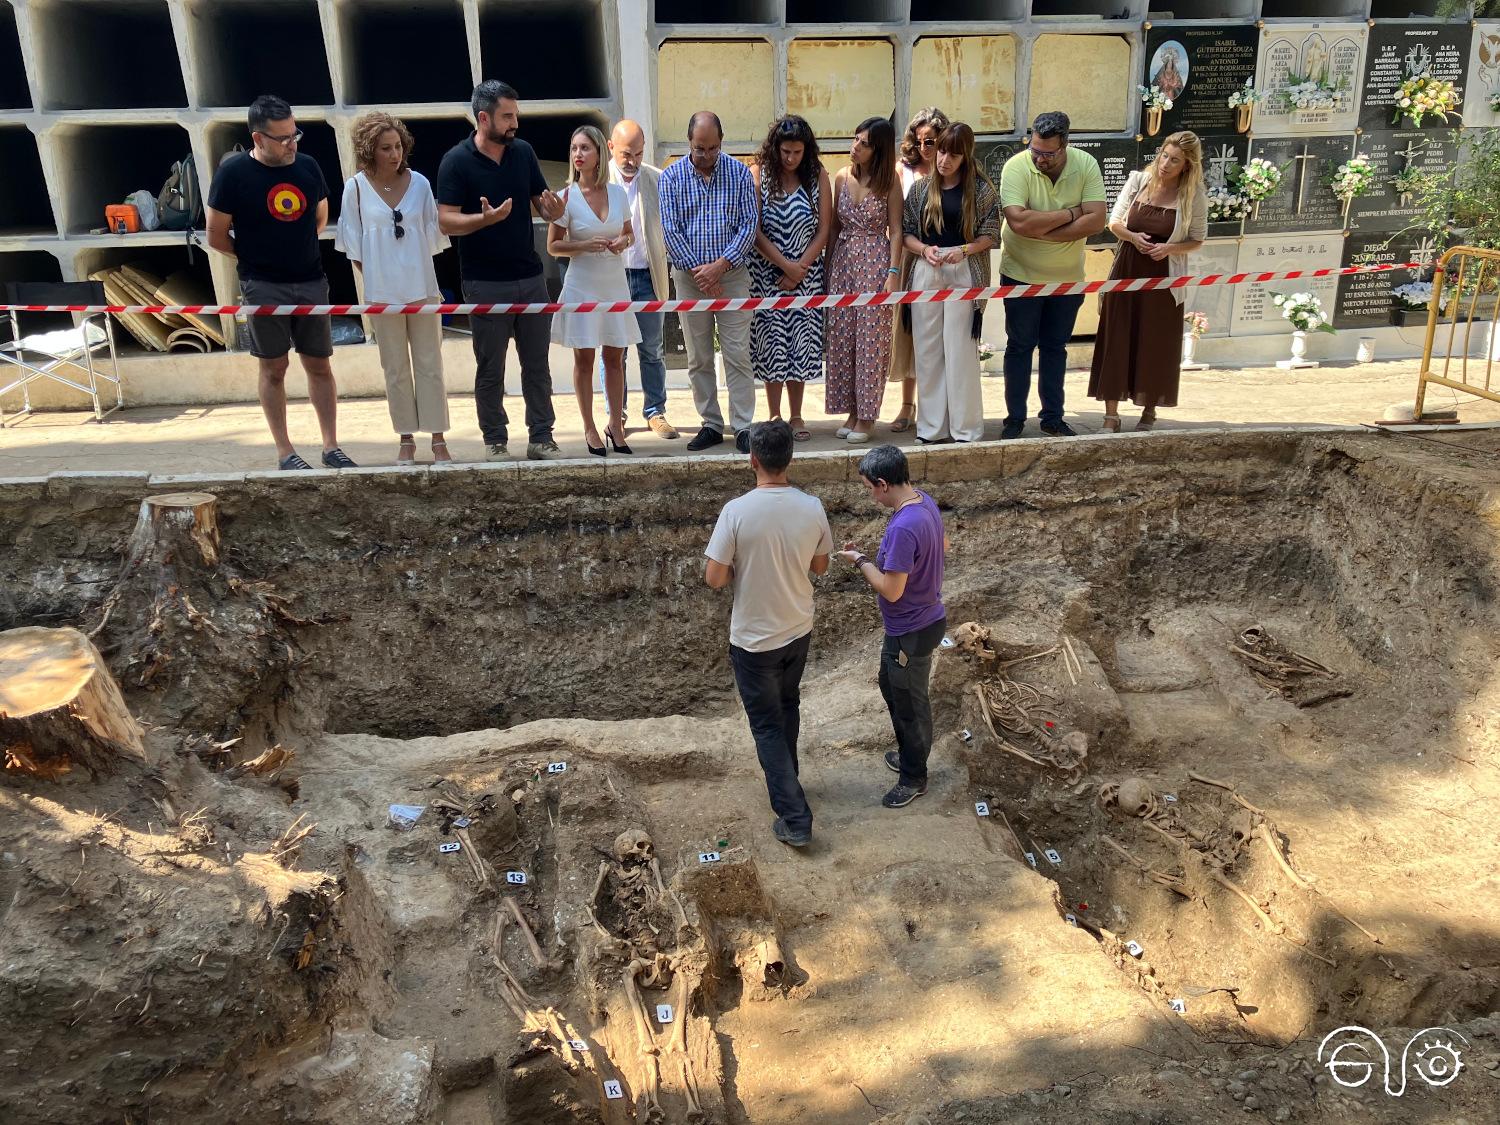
x: 406, y: 453
x: 903, y: 421
x: 1148, y: 420
x: 1111, y: 423
x: 800, y: 432
x: 444, y: 456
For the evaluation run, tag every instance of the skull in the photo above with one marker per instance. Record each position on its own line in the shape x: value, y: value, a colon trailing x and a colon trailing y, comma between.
x: 634, y: 846
x: 1135, y: 798
x: 972, y: 639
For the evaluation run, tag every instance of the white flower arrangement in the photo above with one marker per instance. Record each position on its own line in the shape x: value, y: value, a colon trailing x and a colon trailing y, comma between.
x: 1495, y: 102
x: 1304, y: 310
x: 1353, y: 178
x: 1226, y: 206
x: 1309, y: 93
x: 1259, y: 179
x: 1422, y: 95
x: 1415, y: 295
x: 986, y: 351
x: 1245, y: 95
x: 1154, y: 98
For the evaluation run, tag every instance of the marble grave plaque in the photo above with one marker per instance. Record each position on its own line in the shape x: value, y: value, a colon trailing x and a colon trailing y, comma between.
x: 1254, y: 314
x: 1218, y: 255
x: 1303, y: 201
x: 1222, y: 157
x: 1329, y: 56
x: 1198, y: 68
x: 1399, y: 50
x: 1483, y: 81
x: 1117, y: 159
x: 1390, y: 153
x: 1364, y: 299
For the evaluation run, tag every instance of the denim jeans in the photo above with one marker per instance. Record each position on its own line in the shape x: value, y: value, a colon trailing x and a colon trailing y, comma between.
x: 1033, y: 323
x: 770, y: 687
x: 653, y: 363
x: 905, y: 692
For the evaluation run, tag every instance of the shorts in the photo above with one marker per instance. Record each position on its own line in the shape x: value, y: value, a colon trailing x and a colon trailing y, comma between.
x: 271, y: 337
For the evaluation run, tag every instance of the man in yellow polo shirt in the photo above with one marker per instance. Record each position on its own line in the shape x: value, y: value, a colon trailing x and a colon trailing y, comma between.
x: 1053, y: 199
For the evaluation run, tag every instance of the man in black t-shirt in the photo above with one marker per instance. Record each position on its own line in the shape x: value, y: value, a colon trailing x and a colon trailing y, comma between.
x: 275, y: 201
x: 487, y: 186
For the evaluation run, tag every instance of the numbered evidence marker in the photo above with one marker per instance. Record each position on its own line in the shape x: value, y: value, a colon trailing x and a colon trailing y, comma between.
x: 461, y: 822
x: 613, y: 1089
x: 1053, y: 857
x: 578, y: 1044
x: 1170, y: 798
x: 557, y: 767
x: 516, y: 877
x: 1178, y: 1006
x: 1031, y: 858
x: 982, y: 808
x: 1071, y: 919
x: 449, y: 849
x: 966, y: 734
x: 946, y: 642
x: 708, y: 857
x: 664, y: 1013
x: 1134, y: 948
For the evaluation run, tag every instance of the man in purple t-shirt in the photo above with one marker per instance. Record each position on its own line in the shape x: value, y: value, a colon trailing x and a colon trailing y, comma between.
x: 907, y: 576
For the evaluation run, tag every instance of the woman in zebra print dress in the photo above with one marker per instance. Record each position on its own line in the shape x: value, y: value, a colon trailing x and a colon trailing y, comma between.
x: 796, y: 205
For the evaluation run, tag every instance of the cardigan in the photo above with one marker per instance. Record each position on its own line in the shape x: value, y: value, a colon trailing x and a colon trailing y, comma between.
x: 1196, y: 229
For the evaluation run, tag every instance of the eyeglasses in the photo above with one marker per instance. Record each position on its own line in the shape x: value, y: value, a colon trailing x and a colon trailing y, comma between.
x: 289, y: 139
x: 1043, y: 153
x: 400, y: 231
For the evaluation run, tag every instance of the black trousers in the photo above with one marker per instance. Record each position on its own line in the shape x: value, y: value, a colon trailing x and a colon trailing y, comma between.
x: 905, y: 689
x: 492, y: 336
x: 770, y: 686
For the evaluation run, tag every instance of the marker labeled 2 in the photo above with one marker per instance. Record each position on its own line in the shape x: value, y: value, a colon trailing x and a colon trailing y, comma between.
x: 982, y: 808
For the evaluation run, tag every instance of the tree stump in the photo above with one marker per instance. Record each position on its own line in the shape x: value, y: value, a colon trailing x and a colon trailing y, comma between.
x: 180, y: 527
x: 60, y: 705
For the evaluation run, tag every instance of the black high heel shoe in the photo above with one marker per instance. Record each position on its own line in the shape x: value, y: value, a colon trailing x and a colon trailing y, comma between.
x: 617, y: 446
x: 597, y: 451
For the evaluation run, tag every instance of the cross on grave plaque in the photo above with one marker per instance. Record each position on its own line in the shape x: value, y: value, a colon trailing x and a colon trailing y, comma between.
x: 1303, y: 201
x: 1301, y: 159
x: 1387, y: 206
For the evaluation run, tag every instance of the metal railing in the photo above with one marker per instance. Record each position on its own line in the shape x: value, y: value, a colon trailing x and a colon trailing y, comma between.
x: 1464, y: 283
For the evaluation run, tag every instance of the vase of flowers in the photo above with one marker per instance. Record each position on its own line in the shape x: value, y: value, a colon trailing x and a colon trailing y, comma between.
x: 1351, y: 179
x: 1258, y: 180
x: 1194, y: 324
x: 1242, y: 101
x: 1156, y: 104
x: 1421, y: 95
x: 1306, y: 314
x: 1226, y: 205
x: 987, y: 361
x: 1495, y: 102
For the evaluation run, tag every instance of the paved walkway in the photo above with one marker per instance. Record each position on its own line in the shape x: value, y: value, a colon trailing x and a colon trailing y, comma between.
x: 234, y: 438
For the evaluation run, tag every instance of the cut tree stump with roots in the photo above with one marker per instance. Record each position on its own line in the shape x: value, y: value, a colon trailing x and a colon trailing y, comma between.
x: 59, y: 705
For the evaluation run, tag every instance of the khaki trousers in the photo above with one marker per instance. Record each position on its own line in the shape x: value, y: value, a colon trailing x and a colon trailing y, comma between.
x: 734, y: 341
x: 411, y: 355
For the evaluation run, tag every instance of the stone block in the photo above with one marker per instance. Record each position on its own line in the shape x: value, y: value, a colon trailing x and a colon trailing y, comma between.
x: 1097, y: 261
x: 837, y: 83
x: 951, y: 463
x: 733, y: 78
x: 973, y: 77
x: 1086, y: 76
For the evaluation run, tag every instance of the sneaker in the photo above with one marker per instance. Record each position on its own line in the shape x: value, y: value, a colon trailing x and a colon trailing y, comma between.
x: 902, y: 795
x: 543, y: 451
x: 893, y: 760
x: 661, y: 427
x: 1058, y: 429
x: 1012, y: 430
x: 742, y: 441
x: 292, y: 461
x: 707, y: 436
x: 336, y: 458
x: 788, y: 837
x: 497, y: 451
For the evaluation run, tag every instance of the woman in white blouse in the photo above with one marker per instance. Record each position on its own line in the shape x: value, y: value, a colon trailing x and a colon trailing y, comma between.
x: 388, y: 227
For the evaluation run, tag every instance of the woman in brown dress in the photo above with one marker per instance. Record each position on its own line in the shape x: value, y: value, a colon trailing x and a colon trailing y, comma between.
x: 1160, y: 217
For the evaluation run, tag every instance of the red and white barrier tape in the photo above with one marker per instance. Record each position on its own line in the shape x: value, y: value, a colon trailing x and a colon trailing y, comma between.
x: 734, y: 304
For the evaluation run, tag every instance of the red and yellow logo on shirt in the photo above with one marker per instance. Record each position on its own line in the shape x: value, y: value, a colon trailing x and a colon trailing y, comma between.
x: 286, y: 202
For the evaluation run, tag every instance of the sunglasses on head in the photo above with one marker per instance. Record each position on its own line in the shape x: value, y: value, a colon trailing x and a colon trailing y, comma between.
x: 400, y: 231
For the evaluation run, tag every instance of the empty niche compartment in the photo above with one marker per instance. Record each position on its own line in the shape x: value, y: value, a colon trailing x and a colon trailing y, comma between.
x: 24, y: 205
x: 1082, y: 9
x: 383, y: 40
x: 1202, y: 10
x: 956, y: 11
x: 107, y: 54
x: 724, y: 11
x: 845, y: 11
x: 318, y: 141
x: 1404, y: 9
x: 245, y: 48
x: 14, y: 93
x: 340, y: 273
x: 432, y: 137
x: 102, y: 164
x: 733, y: 77
x: 1312, y: 9
x: 550, y: 50
x: 158, y: 261
x: 837, y: 83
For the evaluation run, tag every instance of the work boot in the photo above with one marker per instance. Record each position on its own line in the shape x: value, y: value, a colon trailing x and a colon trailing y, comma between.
x: 788, y: 837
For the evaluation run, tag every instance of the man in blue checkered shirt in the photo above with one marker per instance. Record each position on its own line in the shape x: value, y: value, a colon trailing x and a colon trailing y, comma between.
x: 709, y: 216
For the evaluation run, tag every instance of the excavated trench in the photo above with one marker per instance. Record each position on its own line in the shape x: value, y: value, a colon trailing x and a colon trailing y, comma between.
x: 1145, y: 835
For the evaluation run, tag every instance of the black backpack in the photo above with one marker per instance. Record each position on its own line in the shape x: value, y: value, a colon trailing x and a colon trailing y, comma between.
x: 179, y: 204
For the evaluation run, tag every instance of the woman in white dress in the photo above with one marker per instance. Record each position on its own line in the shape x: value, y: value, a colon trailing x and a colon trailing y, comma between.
x: 388, y: 228
x: 593, y: 232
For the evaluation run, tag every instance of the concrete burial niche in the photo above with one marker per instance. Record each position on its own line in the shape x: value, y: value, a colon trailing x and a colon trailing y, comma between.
x: 318, y: 141
x: 973, y: 77
x: 378, y: 36
x: 956, y: 11
x: 102, y: 164
x: 1082, y: 75
x: 1312, y: 9
x: 546, y: 49
x: 118, y: 54
x: 1207, y: 10
x: 845, y: 11
x: 837, y: 83
x: 24, y: 205
x: 1403, y: 9
x: 293, y: 63
x: 724, y: 11
x: 1074, y: 9
x: 733, y: 77
x: 14, y: 92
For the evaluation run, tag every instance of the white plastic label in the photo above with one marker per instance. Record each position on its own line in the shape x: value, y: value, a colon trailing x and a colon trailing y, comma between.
x: 982, y: 808
x: 664, y: 1013
x: 1178, y: 1006
x: 557, y: 767
x: 1134, y: 948
x: 516, y: 877
x: 406, y: 814
x: 1071, y: 919
x: 965, y: 734
x: 946, y: 642
x: 449, y: 849
x: 1053, y: 857
x: 708, y: 857
x: 1031, y: 858
x: 578, y: 1044
x: 1170, y: 798
x: 461, y: 822
x: 612, y: 1089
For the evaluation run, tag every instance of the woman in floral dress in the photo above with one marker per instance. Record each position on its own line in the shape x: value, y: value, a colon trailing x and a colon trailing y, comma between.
x: 866, y: 257
x: 786, y: 345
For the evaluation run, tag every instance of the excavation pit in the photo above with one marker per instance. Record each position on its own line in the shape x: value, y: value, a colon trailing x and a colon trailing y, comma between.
x: 244, y: 925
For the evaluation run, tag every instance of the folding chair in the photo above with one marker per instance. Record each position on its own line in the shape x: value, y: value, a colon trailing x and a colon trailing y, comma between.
x: 64, y: 352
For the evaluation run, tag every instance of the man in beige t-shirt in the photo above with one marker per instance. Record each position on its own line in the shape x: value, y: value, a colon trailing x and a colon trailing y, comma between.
x: 765, y: 543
